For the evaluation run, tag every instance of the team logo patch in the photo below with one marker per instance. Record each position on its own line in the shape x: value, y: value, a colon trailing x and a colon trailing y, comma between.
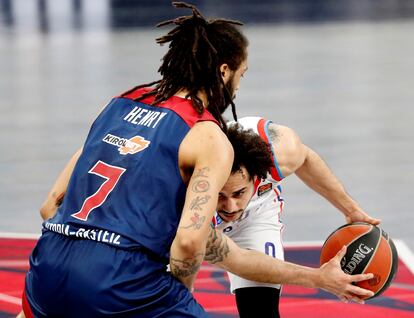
x: 127, y: 146
x: 264, y: 188
x: 227, y: 229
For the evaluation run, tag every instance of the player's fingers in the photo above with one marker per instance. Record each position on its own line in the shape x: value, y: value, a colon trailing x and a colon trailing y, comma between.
x: 376, y: 221
x: 358, y: 300
x: 343, y: 299
x: 341, y: 253
x: 360, y: 292
x: 361, y: 277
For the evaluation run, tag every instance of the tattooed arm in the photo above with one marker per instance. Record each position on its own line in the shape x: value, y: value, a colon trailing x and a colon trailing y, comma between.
x: 207, y: 153
x: 256, y: 266
x: 56, y: 194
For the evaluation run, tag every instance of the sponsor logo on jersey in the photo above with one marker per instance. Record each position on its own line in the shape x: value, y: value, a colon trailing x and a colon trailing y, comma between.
x: 264, y: 189
x: 127, y: 146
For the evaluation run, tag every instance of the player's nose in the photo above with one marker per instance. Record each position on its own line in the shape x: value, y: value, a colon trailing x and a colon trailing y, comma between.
x: 231, y: 205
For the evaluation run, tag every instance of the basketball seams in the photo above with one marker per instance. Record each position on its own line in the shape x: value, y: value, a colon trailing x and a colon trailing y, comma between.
x: 375, y: 250
x: 358, y: 237
x: 372, y: 257
x: 338, y: 232
x: 344, y: 226
x: 364, y: 239
x: 392, y: 272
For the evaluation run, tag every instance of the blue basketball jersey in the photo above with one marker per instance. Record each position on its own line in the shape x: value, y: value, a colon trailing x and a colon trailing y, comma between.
x: 126, y: 189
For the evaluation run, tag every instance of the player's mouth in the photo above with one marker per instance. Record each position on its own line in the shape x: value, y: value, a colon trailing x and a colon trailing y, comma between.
x: 230, y: 216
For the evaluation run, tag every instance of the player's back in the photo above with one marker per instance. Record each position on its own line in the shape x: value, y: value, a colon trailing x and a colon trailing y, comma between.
x: 109, y: 240
x: 126, y: 189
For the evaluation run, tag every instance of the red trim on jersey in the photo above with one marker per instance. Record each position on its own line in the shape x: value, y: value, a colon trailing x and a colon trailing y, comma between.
x: 281, y: 203
x: 214, y: 221
x: 181, y: 106
x: 26, y: 307
x: 262, y: 133
x: 256, y: 184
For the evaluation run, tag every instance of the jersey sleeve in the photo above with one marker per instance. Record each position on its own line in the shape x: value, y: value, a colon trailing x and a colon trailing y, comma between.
x: 263, y: 131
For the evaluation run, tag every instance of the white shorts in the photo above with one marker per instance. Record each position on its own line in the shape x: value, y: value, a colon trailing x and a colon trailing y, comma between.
x: 261, y: 233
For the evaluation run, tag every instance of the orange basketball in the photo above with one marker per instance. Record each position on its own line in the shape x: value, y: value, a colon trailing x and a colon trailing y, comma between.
x: 369, y: 250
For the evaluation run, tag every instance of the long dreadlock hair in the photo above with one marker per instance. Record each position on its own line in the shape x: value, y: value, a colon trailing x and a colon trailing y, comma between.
x: 197, y: 49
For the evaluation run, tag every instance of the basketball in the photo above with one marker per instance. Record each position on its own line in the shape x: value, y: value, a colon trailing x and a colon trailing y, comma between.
x: 369, y: 250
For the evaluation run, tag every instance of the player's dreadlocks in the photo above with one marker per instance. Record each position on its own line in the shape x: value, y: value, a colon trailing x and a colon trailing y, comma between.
x: 197, y: 49
x: 250, y: 151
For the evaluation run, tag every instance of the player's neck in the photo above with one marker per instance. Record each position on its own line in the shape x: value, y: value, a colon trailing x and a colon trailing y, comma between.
x: 201, y: 94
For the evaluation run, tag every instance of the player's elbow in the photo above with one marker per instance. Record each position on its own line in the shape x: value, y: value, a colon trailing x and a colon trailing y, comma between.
x: 47, y: 211
x: 44, y: 213
x: 189, y: 244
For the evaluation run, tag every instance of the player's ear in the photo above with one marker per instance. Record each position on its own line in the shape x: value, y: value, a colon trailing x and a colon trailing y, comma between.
x: 225, y: 72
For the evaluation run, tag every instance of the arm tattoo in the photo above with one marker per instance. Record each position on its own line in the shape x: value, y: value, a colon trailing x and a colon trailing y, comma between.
x: 201, y: 186
x: 201, y: 172
x: 186, y: 267
x: 196, y: 222
x: 198, y: 202
x: 217, y: 248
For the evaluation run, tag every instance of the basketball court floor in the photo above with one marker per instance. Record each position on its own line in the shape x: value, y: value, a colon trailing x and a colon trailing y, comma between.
x: 346, y: 88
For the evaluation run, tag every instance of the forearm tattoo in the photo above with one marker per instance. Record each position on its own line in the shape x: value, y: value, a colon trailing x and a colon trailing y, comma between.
x: 216, y: 248
x: 196, y: 222
x: 198, y: 202
x: 200, y: 184
x: 201, y: 172
x: 186, y: 267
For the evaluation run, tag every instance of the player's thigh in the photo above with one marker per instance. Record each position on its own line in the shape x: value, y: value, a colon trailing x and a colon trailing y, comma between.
x: 261, y: 237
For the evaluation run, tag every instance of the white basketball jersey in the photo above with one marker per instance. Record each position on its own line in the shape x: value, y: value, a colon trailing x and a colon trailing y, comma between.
x: 259, y: 228
x: 266, y: 204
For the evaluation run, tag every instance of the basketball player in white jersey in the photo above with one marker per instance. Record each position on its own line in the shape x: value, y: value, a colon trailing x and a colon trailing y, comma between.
x: 250, y: 203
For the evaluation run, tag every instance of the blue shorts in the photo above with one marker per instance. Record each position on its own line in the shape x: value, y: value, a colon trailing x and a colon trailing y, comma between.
x: 82, y: 278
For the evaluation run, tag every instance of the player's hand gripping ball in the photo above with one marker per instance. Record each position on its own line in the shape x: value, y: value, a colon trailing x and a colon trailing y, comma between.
x: 369, y: 250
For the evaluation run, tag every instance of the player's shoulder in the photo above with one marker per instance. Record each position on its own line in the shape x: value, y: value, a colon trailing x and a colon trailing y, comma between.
x: 206, y: 138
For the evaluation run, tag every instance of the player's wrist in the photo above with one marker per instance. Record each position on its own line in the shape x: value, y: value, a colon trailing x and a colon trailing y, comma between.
x: 315, y: 278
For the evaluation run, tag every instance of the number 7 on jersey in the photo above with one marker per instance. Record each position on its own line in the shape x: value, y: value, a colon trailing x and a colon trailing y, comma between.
x: 112, y: 175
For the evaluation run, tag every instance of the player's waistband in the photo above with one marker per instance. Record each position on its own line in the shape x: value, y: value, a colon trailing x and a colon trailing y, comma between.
x: 113, y: 239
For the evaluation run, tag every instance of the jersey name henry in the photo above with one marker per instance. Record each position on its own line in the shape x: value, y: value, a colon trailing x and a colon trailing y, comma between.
x: 144, y: 117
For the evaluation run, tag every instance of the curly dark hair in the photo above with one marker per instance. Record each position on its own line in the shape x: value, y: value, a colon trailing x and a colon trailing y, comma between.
x: 197, y: 49
x: 250, y: 151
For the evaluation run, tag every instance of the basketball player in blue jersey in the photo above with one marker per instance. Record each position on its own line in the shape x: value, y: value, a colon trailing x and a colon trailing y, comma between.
x: 250, y: 204
x: 145, y: 187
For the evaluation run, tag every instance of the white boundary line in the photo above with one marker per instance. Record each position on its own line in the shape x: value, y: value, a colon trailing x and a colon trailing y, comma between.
x: 10, y: 299
x: 405, y: 254
x: 19, y: 235
x: 303, y: 244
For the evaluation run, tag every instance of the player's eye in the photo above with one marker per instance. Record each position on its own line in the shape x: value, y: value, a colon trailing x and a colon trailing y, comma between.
x: 238, y: 194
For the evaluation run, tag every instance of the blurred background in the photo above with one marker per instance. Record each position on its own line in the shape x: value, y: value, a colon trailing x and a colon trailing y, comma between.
x: 340, y: 72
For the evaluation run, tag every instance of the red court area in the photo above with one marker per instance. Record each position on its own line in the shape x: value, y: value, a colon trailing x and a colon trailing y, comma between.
x: 212, y: 288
